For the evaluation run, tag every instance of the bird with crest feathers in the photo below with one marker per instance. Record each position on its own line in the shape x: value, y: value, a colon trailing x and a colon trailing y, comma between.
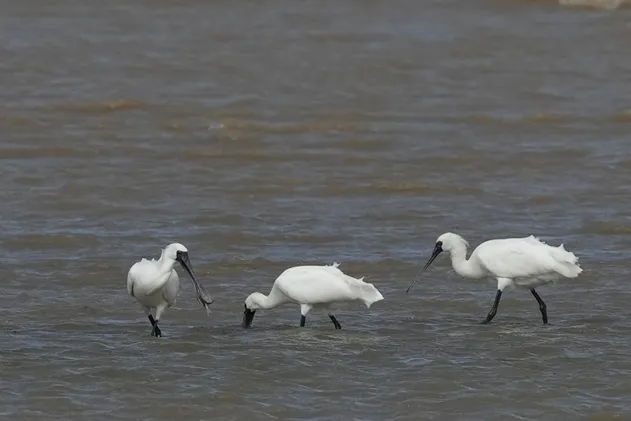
x: 525, y: 262
x: 312, y: 287
x: 155, y: 284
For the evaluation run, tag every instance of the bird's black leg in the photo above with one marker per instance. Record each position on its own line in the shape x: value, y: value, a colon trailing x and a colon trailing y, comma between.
x: 542, y: 306
x: 335, y: 322
x: 493, y: 311
x: 303, y: 320
x: 156, y: 330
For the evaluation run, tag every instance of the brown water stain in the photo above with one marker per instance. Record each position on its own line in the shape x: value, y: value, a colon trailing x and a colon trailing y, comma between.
x: 623, y: 117
x: 608, y: 228
x: 421, y: 188
x: 290, y: 128
x: 44, y: 152
x: 8, y: 118
x: 100, y: 107
x: 542, y: 199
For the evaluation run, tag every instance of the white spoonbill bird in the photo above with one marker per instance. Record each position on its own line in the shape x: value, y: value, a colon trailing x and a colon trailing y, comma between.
x: 311, y: 287
x: 526, y: 262
x: 155, y: 284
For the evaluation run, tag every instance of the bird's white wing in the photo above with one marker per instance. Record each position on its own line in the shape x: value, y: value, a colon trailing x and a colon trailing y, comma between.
x: 171, y: 288
x: 145, y: 278
x: 516, y: 258
x: 130, y: 281
x: 314, y: 284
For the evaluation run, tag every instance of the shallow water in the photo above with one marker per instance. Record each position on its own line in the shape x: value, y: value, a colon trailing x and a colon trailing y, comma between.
x: 267, y: 135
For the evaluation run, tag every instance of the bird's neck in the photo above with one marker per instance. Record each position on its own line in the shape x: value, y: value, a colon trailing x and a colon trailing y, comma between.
x: 462, y: 266
x: 165, y: 264
x: 274, y: 299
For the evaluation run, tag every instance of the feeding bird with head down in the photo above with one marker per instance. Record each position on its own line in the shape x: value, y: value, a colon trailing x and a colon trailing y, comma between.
x: 524, y: 262
x: 313, y: 287
x: 155, y: 283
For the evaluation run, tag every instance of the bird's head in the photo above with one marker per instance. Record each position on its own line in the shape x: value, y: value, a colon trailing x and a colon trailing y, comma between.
x: 446, y: 242
x: 450, y: 241
x: 175, y: 251
x: 179, y: 253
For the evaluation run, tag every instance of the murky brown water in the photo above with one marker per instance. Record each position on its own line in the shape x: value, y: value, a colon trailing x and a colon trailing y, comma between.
x: 268, y: 134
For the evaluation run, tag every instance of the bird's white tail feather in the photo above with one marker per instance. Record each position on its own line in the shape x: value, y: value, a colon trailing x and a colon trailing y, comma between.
x: 363, y: 290
x: 568, y: 262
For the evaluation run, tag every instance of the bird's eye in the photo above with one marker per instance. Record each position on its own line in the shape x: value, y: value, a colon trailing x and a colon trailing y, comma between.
x: 439, y: 243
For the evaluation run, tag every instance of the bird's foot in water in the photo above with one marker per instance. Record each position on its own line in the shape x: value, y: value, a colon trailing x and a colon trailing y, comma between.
x: 156, y: 331
x: 335, y: 322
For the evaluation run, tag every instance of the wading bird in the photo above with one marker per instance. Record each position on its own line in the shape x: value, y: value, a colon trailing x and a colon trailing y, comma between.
x: 311, y: 287
x: 526, y: 262
x: 155, y: 284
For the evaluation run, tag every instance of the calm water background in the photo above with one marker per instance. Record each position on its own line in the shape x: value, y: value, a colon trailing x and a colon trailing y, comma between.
x: 268, y: 134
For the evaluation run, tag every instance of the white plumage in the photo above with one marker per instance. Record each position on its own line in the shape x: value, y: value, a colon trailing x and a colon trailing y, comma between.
x: 155, y: 284
x: 526, y: 262
x: 312, y: 287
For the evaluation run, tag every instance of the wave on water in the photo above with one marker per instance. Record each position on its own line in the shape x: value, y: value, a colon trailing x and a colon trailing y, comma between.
x: 248, y: 154
x: 423, y: 188
x: 387, y: 188
x: 530, y: 158
x: 182, y: 119
x: 542, y: 118
x: 588, y: 4
x: 623, y: 116
x: 597, y: 4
